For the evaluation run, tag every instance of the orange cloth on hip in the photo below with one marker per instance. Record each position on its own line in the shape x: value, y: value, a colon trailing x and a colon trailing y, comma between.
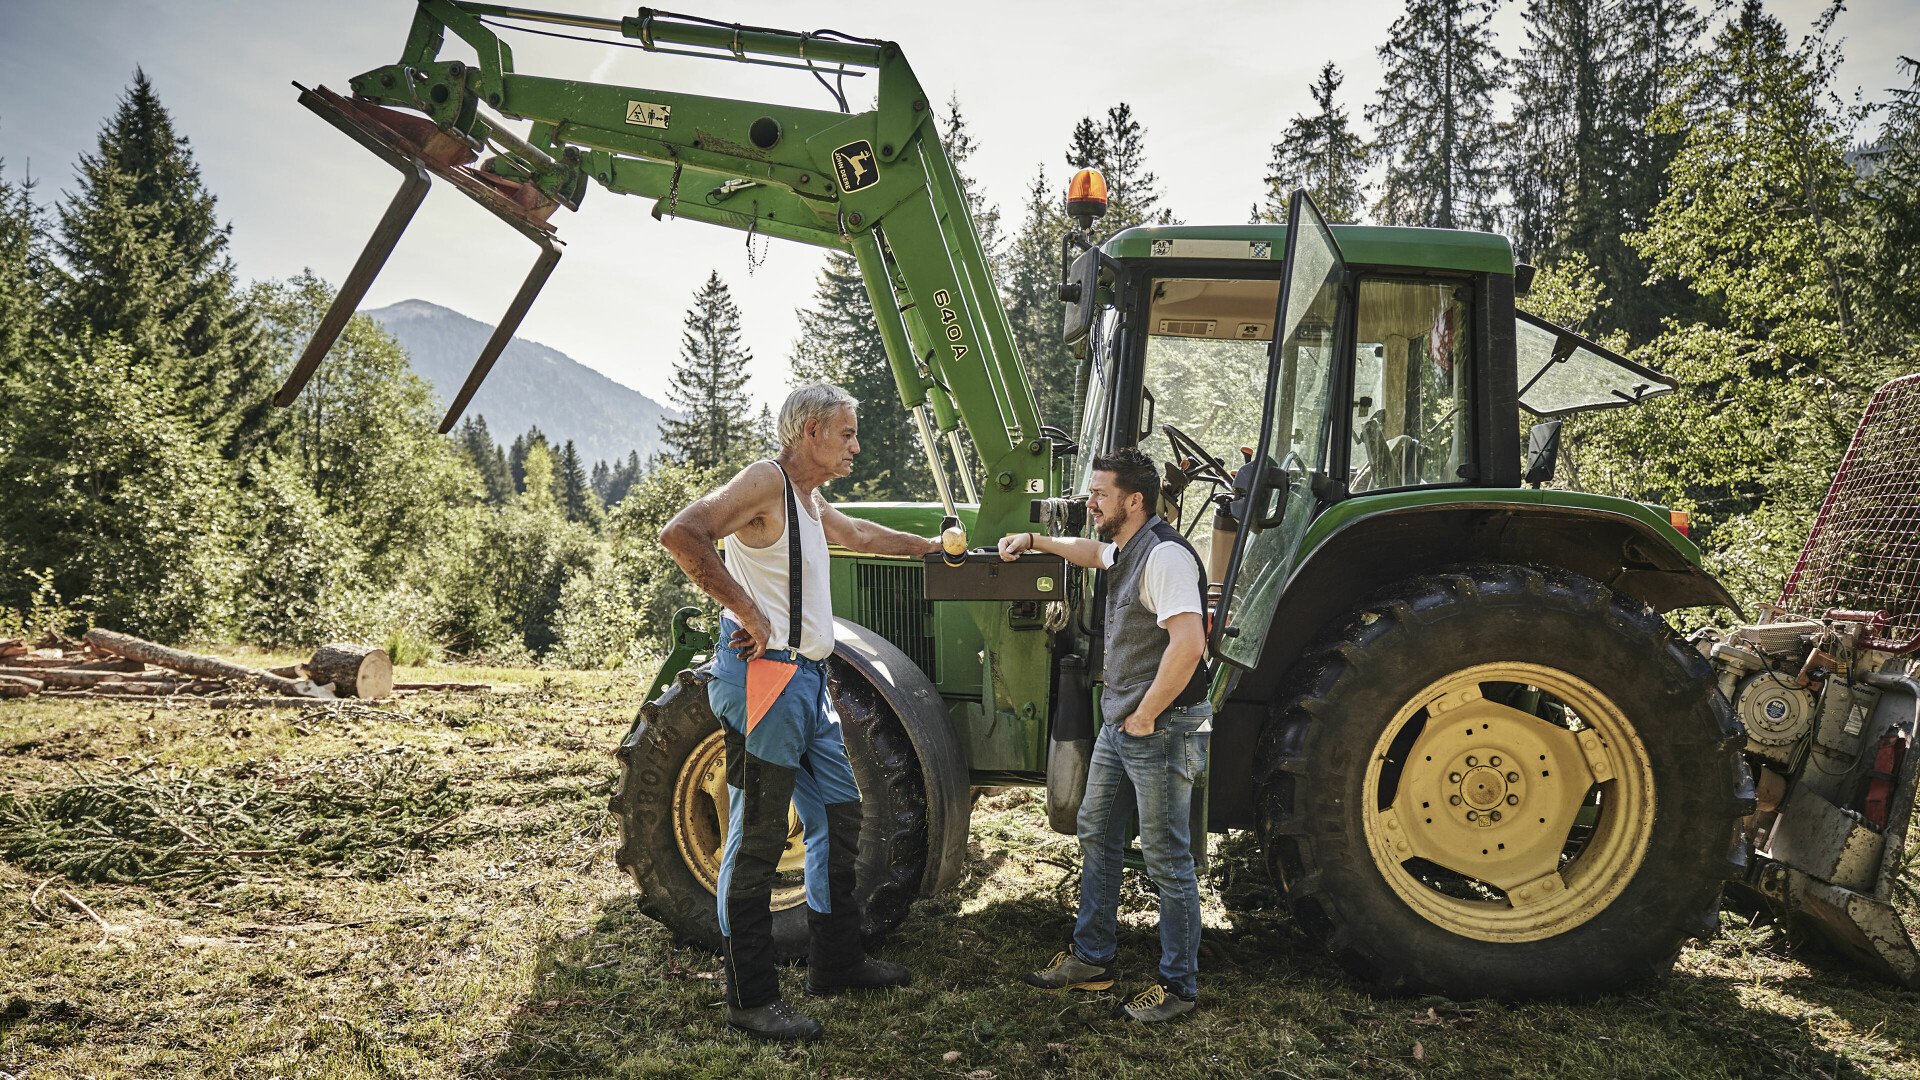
x: 765, y: 681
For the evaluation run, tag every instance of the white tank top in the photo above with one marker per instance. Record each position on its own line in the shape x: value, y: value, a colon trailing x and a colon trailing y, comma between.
x: 764, y: 572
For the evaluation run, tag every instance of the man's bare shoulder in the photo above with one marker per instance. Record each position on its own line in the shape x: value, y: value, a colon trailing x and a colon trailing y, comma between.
x: 759, y: 479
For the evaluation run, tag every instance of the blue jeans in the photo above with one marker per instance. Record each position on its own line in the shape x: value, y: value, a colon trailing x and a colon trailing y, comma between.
x: 1154, y: 776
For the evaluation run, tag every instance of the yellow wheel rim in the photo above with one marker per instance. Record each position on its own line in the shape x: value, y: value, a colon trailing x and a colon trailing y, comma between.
x: 700, y: 812
x: 1478, y: 823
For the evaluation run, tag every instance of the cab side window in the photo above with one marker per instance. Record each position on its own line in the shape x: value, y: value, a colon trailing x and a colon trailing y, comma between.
x: 1410, y: 388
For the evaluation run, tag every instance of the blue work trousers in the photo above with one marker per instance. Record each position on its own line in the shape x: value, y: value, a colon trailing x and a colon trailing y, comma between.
x: 800, y: 732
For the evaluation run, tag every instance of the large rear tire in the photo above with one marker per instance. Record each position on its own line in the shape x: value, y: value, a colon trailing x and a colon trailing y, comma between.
x: 1502, y: 782
x: 672, y: 798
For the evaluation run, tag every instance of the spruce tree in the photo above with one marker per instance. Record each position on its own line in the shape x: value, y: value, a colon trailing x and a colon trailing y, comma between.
x: 960, y: 147
x: 24, y: 272
x: 1117, y: 146
x: 1760, y: 208
x: 1665, y: 35
x: 840, y: 343
x: 1891, y: 240
x: 517, y: 457
x: 147, y: 260
x: 1434, y: 128
x: 1759, y: 218
x: 476, y: 445
x: 1030, y: 279
x: 1583, y: 166
x: 1032, y: 295
x: 620, y: 480
x: 576, y: 497
x: 1562, y: 148
x: 1321, y: 153
x: 709, y: 385
x: 110, y: 496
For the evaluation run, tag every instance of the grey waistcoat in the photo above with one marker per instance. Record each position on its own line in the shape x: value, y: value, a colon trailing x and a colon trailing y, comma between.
x: 1135, y: 641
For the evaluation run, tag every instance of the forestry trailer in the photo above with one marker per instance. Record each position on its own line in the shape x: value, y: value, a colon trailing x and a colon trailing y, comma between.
x: 1478, y: 760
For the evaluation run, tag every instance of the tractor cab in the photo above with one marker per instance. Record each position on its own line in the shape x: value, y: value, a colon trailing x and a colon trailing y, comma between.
x: 1398, y: 370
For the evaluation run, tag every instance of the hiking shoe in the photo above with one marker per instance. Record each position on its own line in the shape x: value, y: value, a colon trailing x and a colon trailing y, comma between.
x: 868, y: 974
x: 776, y: 1021
x: 1154, y: 1004
x: 1068, y: 972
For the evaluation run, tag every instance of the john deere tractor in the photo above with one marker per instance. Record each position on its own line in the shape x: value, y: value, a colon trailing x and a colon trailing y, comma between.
x: 1477, y: 759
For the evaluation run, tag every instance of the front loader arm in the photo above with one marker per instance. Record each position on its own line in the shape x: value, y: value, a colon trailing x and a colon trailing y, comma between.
x: 876, y: 184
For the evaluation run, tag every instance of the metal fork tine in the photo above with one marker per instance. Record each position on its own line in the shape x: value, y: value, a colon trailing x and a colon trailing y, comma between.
x: 522, y: 301
x: 374, y: 256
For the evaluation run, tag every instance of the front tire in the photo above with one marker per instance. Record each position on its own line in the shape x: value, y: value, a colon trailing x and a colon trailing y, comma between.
x: 1502, y: 782
x: 671, y: 804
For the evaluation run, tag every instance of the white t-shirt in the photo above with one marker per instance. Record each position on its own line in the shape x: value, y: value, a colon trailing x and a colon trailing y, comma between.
x: 1170, y: 582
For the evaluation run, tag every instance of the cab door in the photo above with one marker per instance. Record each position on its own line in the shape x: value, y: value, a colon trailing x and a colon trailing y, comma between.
x: 1296, y: 433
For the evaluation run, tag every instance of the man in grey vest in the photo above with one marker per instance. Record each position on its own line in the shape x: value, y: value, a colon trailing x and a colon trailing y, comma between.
x: 1152, y: 746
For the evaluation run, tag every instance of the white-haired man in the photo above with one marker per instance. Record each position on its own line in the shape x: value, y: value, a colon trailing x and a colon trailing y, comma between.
x: 769, y: 690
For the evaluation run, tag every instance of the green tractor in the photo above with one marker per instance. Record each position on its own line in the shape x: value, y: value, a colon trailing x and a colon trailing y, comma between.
x: 1477, y: 759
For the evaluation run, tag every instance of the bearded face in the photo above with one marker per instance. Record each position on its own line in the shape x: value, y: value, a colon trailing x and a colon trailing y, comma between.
x: 1107, y: 505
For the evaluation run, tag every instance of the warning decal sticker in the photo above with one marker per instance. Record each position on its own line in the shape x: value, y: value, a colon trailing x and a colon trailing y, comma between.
x: 855, y: 166
x: 647, y: 114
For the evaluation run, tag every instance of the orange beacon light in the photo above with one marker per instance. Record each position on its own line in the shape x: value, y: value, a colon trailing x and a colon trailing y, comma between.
x: 1087, y: 196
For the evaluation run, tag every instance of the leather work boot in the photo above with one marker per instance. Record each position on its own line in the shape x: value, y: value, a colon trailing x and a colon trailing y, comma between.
x: 776, y: 1021
x: 836, y: 958
x: 1068, y: 972
x: 867, y: 974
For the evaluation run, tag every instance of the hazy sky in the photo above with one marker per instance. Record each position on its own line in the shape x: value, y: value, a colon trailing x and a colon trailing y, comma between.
x: 1214, y: 83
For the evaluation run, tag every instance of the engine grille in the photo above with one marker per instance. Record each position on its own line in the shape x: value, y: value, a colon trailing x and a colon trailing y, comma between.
x: 891, y: 600
x: 1864, y: 550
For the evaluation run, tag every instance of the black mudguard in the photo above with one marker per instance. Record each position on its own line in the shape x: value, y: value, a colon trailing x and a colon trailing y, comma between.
x: 943, y: 763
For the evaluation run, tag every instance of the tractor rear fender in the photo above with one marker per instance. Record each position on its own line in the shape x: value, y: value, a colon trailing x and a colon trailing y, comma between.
x: 943, y: 762
x: 1370, y: 550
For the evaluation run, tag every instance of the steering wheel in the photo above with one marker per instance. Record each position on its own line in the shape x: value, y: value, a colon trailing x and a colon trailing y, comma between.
x: 1205, y: 466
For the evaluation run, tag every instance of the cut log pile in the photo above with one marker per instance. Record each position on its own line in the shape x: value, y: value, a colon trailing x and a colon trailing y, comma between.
x: 105, y: 664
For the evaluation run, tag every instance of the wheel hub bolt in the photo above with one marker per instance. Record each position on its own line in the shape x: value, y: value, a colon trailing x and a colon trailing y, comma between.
x: 1494, y: 761
x: 1471, y: 760
x: 1453, y: 777
x: 1513, y: 800
x: 1473, y: 815
x: 1513, y: 778
x: 1454, y: 800
x: 1496, y: 815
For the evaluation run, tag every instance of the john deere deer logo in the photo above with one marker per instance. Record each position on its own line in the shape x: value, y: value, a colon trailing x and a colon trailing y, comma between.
x: 855, y: 165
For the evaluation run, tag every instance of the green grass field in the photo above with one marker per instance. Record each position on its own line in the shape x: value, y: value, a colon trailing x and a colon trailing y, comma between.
x: 432, y: 894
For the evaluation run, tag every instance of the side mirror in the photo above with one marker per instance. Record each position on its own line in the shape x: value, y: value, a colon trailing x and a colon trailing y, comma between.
x: 1543, y: 451
x: 1080, y: 294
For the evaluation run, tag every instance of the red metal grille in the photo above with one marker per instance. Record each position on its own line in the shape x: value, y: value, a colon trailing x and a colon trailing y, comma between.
x: 1864, y: 551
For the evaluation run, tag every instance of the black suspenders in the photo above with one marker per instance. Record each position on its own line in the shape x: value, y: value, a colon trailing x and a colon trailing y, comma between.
x: 793, y: 565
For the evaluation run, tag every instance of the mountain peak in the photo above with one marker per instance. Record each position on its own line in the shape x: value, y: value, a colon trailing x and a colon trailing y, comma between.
x: 414, y: 309
x: 532, y: 385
